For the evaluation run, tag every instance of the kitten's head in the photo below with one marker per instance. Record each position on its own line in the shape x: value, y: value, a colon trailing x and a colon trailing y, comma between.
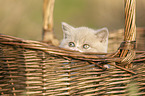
x: 84, y: 39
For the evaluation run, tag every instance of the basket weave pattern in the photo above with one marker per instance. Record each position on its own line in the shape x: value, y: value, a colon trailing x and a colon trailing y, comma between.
x: 34, y: 69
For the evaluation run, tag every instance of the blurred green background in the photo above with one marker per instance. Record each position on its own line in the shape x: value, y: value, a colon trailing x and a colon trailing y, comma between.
x: 23, y: 18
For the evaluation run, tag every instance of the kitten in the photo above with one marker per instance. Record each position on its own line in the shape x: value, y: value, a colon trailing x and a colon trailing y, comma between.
x: 84, y: 39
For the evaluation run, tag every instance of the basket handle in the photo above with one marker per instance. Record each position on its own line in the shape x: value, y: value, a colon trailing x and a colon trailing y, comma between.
x: 127, y: 48
x: 48, y: 35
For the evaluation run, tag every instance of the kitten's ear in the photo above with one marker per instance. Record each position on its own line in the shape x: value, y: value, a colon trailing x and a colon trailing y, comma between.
x: 66, y: 29
x: 102, y: 34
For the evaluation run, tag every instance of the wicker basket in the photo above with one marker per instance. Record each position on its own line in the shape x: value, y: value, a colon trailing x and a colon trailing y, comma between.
x: 33, y: 68
x: 116, y: 37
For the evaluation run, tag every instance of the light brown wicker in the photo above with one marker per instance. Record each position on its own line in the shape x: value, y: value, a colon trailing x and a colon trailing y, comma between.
x: 35, y: 68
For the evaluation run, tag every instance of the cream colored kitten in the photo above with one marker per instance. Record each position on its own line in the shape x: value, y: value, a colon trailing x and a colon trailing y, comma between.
x: 84, y: 39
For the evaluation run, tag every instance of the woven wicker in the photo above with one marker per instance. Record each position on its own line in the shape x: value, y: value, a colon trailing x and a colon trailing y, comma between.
x: 116, y: 37
x: 34, y: 68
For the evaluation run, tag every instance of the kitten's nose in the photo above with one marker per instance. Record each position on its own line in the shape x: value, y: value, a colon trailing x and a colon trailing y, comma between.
x: 78, y: 50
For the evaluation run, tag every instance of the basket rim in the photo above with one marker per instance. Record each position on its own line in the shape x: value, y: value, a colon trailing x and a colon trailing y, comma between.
x: 68, y: 54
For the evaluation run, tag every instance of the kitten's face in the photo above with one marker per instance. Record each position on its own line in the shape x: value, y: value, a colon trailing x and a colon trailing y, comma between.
x: 84, y: 39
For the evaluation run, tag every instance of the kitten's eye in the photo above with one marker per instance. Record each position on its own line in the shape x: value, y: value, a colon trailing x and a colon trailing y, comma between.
x: 71, y: 44
x: 86, y: 46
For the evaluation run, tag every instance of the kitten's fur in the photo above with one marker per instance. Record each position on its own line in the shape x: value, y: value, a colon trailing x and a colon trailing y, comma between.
x: 96, y: 40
